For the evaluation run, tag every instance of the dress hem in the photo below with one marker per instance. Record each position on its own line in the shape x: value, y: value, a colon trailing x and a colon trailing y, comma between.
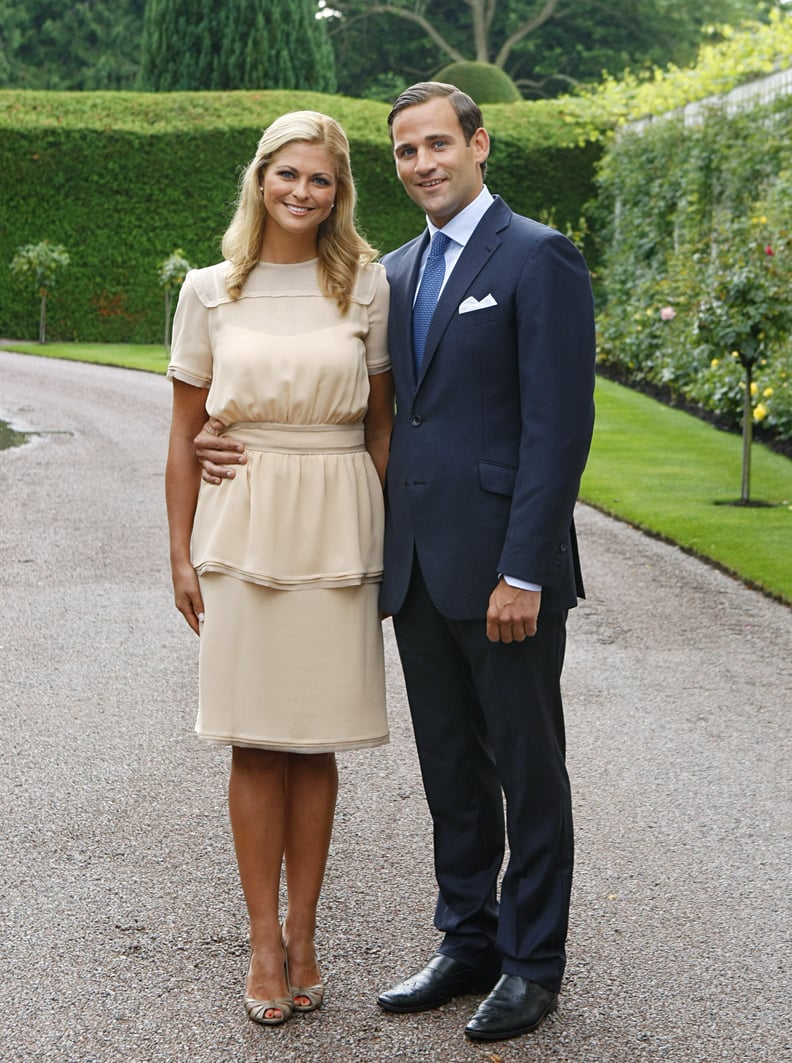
x: 287, y: 747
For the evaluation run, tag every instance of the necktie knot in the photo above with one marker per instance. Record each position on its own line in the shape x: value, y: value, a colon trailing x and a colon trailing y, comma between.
x: 428, y: 294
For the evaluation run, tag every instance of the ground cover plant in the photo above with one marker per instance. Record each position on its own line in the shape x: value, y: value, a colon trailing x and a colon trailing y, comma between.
x: 152, y: 358
x: 677, y: 477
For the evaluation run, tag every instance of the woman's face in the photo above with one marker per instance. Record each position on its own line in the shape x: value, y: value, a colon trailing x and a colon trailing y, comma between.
x: 299, y: 187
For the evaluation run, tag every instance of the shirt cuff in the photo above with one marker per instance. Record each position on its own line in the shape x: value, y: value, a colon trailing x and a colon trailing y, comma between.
x: 522, y: 584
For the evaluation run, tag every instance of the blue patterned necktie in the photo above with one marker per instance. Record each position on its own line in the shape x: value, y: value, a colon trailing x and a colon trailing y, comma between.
x: 426, y: 300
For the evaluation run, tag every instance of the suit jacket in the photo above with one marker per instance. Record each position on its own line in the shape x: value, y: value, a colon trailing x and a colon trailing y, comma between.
x: 489, y: 443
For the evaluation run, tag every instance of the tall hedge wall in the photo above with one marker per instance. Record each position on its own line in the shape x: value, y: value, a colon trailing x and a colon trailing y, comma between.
x: 122, y: 179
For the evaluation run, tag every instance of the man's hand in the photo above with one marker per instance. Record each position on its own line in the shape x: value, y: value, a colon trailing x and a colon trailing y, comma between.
x: 512, y: 613
x: 216, y: 453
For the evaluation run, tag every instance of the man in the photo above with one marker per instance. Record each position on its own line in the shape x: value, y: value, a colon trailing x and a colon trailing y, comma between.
x: 494, y: 390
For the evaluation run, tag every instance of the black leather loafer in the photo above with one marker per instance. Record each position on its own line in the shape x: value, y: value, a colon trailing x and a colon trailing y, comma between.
x: 515, y: 1006
x: 441, y: 980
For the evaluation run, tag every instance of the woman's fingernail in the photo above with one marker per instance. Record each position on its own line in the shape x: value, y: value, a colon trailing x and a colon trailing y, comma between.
x: 200, y: 618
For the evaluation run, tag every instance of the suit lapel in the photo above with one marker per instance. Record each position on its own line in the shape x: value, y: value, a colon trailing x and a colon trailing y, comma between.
x: 403, y: 286
x: 478, y: 251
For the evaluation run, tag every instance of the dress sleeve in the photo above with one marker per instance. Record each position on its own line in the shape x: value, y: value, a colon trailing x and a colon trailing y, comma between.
x: 377, y: 357
x: 191, y: 353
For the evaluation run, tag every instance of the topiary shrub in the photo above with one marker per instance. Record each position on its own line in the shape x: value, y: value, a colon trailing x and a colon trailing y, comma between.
x: 483, y: 81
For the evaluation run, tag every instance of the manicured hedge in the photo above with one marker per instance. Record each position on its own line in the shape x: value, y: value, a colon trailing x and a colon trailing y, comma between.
x: 122, y: 179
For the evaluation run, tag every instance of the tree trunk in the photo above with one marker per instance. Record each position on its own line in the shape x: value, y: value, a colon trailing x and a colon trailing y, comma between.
x: 43, y: 317
x: 747, y: 438
x: 167, y: 320
x: 480, y: 34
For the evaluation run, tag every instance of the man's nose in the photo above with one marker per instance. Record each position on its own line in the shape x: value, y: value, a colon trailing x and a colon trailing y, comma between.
x: 424, y: 160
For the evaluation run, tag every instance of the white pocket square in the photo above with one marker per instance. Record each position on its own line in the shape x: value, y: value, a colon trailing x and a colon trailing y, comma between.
x: 471, y: 304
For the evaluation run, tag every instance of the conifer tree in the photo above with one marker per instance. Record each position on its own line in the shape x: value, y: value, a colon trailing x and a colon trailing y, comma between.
x: 240, y: 44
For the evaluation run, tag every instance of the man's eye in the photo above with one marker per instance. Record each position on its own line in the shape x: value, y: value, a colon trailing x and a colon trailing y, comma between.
x: 438, y: 144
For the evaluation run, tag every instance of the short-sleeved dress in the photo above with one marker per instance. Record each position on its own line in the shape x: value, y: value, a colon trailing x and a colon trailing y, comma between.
x: 289, y: 552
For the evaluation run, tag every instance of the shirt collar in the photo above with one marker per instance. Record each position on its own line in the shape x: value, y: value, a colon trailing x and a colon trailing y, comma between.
x: 461, y: 227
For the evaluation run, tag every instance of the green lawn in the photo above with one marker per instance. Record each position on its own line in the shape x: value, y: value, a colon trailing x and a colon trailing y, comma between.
x: 669, y: 473
x: 659, y: 469
x: 151, y: 357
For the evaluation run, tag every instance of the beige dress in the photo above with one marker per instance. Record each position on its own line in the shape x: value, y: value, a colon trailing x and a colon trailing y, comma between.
x: 289, y: 552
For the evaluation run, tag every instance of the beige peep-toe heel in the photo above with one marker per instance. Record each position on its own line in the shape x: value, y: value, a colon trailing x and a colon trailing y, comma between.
x: 257, y: 1009
x: 315, y: 994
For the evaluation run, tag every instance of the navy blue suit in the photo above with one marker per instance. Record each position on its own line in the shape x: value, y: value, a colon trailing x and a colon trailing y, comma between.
x: 487, y: 451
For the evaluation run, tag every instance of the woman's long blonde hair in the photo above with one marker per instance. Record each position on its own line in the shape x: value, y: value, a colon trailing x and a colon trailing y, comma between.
x: 341, y: 248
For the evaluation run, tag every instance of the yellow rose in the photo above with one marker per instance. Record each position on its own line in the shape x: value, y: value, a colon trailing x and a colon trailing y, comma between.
x: 754, y: 387
x: 760, y: 412
x: 714, y: 363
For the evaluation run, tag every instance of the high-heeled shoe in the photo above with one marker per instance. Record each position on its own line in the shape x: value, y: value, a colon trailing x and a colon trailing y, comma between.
x: 315, y: 993
x: 257, y: 1009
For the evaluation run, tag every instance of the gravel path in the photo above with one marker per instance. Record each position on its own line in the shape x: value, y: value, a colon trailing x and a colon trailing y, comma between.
x: 123, y: 935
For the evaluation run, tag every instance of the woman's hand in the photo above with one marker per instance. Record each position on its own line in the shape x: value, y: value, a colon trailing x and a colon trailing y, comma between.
x: 187, y: 594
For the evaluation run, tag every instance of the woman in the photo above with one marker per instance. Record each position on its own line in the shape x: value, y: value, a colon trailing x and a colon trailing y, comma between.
x: 278, y: 568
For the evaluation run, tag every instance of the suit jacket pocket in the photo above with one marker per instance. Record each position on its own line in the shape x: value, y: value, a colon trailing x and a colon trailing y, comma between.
x: 497, y: 478
x: 487, y: 316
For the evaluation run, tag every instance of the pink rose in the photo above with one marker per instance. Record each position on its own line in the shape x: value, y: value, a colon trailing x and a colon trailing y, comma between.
x: 668, y: 313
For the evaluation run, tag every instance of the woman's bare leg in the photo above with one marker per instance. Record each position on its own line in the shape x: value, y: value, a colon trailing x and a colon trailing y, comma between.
x: 257, y: 807
x: 311, y: 790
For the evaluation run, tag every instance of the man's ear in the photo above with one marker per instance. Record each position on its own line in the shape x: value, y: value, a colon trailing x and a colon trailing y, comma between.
x: 480, y: 142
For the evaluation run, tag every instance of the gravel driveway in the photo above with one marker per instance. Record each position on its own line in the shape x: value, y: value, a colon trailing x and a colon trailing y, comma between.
x: 123, y: 931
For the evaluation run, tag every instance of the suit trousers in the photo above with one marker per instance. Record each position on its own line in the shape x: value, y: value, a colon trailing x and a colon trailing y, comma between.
x: 488, y: 724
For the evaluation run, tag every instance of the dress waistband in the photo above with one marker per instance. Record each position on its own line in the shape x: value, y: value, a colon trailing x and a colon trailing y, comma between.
x: 299, y: 438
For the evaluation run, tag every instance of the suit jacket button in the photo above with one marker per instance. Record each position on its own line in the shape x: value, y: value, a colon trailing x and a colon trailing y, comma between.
x: 416, y: 421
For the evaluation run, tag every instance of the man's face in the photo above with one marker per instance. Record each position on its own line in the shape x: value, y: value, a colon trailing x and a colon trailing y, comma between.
x: 439, y: 171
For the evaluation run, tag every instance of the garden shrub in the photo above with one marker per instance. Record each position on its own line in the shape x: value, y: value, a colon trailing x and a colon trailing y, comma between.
x: 122, y: 178
x: 485, y: 82
x: 683, y: 210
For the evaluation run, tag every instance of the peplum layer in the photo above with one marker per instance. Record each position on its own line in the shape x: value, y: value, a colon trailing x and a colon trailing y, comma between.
x: 305, y: 511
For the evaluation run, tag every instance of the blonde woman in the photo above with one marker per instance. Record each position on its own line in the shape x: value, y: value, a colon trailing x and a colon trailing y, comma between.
x: 284, y: 345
